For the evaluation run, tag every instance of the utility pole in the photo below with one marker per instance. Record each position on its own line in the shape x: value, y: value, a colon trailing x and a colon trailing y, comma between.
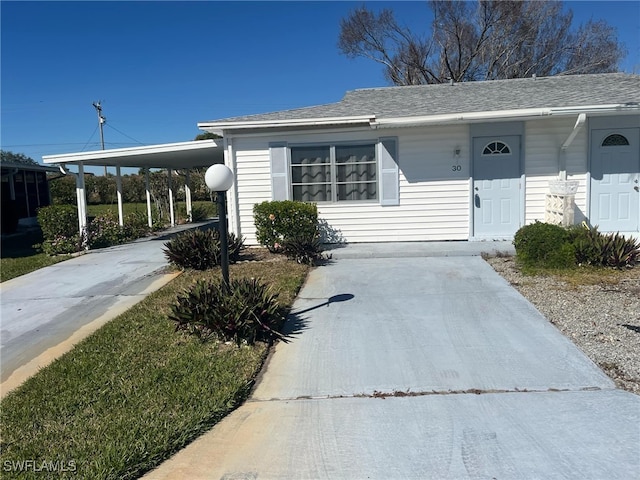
x: 101, y: 121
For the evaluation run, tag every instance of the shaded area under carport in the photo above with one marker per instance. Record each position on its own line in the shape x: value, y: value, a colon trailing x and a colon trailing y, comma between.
x: 169, y: 156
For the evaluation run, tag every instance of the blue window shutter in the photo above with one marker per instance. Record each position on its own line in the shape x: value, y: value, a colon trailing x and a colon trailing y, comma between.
x: 279, y: 171
x: 389, y: 171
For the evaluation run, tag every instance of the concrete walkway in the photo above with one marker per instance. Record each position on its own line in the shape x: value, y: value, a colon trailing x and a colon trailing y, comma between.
x: 425, y: 366
x: 44, y: 313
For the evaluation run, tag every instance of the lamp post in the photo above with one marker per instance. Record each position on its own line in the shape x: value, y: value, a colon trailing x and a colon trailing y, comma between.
x: 219, y: 179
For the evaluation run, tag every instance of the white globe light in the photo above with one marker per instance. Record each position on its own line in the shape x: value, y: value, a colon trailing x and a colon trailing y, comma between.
x: 218, y: 178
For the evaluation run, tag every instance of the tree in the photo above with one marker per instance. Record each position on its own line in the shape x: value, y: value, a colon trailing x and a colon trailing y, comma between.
x: 10, y: 157
x: 482, y: 40
x: 207, y: 136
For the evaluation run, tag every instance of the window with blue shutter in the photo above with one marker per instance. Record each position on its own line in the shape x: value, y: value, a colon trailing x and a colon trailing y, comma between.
x: 341, y: 172
x: 279, y: 171
x: 389, y: 171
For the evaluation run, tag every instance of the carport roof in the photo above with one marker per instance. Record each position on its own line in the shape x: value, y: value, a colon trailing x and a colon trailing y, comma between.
x: 199, y: 153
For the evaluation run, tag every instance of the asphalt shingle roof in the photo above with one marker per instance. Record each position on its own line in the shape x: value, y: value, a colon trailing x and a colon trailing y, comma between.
x: 421, y: 100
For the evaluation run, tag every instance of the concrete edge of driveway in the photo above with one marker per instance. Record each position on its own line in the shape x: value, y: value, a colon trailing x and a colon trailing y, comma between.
x: 26, y: 371
x: 341, y: 251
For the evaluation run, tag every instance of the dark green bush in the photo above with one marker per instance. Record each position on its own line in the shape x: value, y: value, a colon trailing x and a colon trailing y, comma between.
x: 544, y: 245
x: 245, y: 310
x: 60, y: 231
x: 199, y: 212
x: 105, y: 231
x: 279, y: 221
x: 58, y: 220
x: 200, y: 249
x: 136, y: 225
x: 304, y: 250
x: 610, y: 250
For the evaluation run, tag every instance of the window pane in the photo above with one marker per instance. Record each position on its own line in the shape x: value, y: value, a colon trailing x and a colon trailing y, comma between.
x: 310, y: 155
x: 615, y: 140
x: 496, y: 148
x: 310, y: 173
x: 357, y: 191
x: 355, y: 154
x: 356, y: 172
x: 312, y: 193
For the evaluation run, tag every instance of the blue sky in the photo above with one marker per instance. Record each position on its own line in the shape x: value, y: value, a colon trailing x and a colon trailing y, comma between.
x: 161, y: 67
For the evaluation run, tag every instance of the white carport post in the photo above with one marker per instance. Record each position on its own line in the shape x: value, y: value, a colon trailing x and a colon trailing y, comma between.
x: 81, y: 199
x: 119, y: 190
x: 187, y: 194
x: 171, y: 213
x: 148, y: 192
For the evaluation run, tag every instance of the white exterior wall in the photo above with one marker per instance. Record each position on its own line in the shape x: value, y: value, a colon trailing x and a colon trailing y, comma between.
x: 434, y: 199
x: 542, y: 154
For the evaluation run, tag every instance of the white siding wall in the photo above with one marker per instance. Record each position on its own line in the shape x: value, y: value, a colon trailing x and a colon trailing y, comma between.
x: 434, y: 196
x: 434, y: 199
x: 543, y: 139
x: 253, y: 179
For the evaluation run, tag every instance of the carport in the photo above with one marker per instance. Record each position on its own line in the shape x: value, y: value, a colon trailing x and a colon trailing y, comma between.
x: 169, y: 156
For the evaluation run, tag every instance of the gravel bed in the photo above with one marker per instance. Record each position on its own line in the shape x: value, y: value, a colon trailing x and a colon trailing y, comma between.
x: 600, y: 314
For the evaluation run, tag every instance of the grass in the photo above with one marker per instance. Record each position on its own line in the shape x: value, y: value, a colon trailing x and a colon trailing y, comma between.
x: 208, y: 208
x: 135, y: 392
x: 20, y: 257
x: 15, y: 267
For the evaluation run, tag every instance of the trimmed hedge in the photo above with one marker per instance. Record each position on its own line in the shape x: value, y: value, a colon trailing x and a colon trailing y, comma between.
x: 280, y: 221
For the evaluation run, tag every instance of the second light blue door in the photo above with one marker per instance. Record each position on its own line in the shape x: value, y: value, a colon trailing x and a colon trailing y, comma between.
x: 496, y: 186
x: 615, y: 180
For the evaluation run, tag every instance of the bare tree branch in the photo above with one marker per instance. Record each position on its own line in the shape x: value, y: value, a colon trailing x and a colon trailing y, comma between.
x: 482, y: 40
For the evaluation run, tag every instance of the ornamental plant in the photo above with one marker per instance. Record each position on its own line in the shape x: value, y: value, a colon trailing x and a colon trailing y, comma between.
x: 280, y: 221
x: 544, y: 245
x: 200, y: 249
x: 608, y: 250
x: 243, y: 311
x: 59, y: 225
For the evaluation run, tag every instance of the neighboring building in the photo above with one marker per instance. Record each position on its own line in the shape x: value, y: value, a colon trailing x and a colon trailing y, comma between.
x: 24, y: 190
x: 463, y: 161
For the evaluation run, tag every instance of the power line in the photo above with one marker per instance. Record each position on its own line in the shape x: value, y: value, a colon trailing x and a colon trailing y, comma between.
x: 122, y: 133
x: 92, y: 134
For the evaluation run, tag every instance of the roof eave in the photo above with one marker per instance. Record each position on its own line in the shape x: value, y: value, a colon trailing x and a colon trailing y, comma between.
x: 219, y: 127
x: 463, y: 117
x: 145, y: 154
x: 520, y: 114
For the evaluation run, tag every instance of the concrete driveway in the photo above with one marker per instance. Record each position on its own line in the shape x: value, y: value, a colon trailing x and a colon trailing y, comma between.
x: 44, y: 313
x: 425, y: 367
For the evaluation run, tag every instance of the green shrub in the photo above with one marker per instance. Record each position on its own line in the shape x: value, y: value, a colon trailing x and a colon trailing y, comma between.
x: 544, y: 245
x: 199, y: 211
x: 200, y: 249
x: 105, y: 231
x: 245, y: 310
x: 610, y: 250
x: 136, y: 225
x: 279, y: 221
x: 58, y: 220
x: 304, y: 250
x: 60, y: 232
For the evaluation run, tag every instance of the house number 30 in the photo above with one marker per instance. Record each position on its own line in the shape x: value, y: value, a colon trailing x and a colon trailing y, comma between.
x: 456, y: 168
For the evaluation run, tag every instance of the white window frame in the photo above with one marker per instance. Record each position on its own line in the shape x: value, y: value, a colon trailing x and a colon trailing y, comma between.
x: 333, y: 166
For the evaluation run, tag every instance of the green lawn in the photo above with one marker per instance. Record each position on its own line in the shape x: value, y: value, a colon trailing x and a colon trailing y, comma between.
x: 20, y: 257
x: 136, y: 391
x: 14, y: 267
x: 208, y: 208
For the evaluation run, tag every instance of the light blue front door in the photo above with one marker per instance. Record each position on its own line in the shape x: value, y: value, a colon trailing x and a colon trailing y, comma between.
x: 615, y: 177
x: 496, y: 186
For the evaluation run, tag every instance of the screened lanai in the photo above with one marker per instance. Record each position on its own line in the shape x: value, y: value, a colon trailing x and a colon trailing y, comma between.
x: 169, y: 156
